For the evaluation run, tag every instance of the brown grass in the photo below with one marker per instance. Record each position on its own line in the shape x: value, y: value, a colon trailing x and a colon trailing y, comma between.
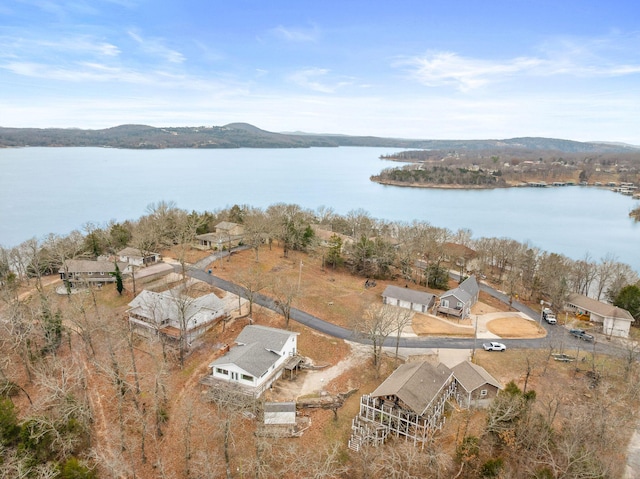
x: 512, y: 327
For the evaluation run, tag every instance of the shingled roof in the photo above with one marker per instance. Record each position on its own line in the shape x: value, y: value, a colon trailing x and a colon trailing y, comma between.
x: 406, y: 294
x: 471, y: 376
x: 257, y: 350
x: 416, y: 384
x: 466, y: 290
x: 598, y: 307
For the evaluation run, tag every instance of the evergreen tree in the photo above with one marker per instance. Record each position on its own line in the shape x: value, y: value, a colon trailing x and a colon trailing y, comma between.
x: 118, y: 275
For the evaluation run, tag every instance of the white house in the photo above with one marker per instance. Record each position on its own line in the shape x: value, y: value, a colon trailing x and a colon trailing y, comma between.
x: 136, y: 257
x: 408, y: 298
x: 258, y: 360
x: 170, y: 313
x: 615, y: 321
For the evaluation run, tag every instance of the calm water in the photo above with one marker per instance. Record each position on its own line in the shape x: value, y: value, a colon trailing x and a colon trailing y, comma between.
x: 44, y: 190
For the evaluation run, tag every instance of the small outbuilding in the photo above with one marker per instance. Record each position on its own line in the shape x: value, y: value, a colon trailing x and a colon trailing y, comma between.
x: 278, y: 413
x: 408, y: 298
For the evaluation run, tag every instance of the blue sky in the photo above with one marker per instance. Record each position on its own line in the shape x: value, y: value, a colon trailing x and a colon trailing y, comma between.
x: 413, y: 69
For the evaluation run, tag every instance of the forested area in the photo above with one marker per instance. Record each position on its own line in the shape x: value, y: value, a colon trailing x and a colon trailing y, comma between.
x: 82, y: 396
x: 495, y: 167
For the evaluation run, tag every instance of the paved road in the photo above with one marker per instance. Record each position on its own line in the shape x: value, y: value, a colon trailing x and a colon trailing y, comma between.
x: 557, y: 336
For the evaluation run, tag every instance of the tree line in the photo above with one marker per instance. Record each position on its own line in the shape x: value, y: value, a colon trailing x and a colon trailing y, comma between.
x: 373, y: 248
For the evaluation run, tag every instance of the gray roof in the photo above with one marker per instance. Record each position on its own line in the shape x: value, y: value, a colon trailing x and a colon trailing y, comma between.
x: 134, y: 253
x: 90, y: 266
x: 252, y: 358
x: 280, y: 407
x: 471, y: 376
x: 599, y: 308
x: 465, y: 291
x: 255, y: 351
x: 158, y: 307
x: 406, y: 294
x: 270, y: 338
x: 416, y: 384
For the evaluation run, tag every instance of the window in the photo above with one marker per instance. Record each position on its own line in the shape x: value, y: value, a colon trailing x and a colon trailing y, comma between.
x: 222, y: 371
x: 445, y: 303
x: 483, y: 392
x: 246, y: 377
x: 101, y: 273
x: 459, y: 305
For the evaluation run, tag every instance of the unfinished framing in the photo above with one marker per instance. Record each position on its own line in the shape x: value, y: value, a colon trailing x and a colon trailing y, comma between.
x: 380, y: 417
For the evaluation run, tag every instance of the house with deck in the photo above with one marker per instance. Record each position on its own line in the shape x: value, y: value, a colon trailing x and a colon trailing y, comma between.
x: 260, y: 357
x: 615, y: 321
x: 410, y: 403
x: 459, y: 301
x: 171, y: 314
x: 84, y: 272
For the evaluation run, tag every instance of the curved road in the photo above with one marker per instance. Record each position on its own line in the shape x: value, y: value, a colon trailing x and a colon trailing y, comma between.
x: 556, y: 335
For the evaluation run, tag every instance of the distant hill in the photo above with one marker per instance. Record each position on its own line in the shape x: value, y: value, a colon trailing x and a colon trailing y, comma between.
x: 244, y: 135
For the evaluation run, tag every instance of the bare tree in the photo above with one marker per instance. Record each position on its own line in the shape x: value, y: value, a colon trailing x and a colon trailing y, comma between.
x: 257, y: 230
x: 285, y: 292
x: 252, y: 281
x: 376, y: 323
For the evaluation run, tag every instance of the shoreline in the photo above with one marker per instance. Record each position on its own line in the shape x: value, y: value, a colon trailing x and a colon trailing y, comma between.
x: 448, y: 186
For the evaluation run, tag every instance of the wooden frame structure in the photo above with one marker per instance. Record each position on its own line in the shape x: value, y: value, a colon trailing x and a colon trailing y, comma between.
x: 380, y: 417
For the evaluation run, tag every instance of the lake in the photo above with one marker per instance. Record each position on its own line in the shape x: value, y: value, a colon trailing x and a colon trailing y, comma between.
x: 45, y: 190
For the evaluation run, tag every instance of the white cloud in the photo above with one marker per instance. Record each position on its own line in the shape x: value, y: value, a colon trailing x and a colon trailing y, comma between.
x: 317, y: 79
x: 298, y: 35
x: 155, y: 47
x: 445, y: 68
x: 608, y: 56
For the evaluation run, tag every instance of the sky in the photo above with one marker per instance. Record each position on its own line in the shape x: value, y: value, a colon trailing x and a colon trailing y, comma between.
x: 427, y: 69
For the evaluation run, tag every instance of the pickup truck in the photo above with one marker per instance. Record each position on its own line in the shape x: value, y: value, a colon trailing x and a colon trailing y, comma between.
x: 549, y: 316
x: 582, y: 334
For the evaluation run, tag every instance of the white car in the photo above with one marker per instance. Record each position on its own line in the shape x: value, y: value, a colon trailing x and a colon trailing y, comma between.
x: 493, y: 346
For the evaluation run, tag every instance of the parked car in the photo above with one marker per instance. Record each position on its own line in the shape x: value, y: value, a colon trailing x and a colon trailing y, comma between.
x: 493, y: 346
x: 549, y: 316
x: 582, y: 334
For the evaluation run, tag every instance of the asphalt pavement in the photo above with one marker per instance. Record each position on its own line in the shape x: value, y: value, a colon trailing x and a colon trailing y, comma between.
x: 557, y: 337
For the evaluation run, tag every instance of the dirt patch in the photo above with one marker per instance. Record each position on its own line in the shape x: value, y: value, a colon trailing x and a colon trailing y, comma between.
x: 515, y: 327
x: 318, y: 381
x: 426, y: 325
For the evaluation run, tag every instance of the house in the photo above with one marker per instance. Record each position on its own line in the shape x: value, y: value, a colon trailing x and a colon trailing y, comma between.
x: 475, y: 386
x: 411, y: 401
x: 171, y: 314
x: 615, y: 321
x: 459, y: 301
x: 325, y: 236
x: 460, y: 255
x: 258, y: 360
x: 226, y: 235
x: 137, y: 257
x: 408, y: 298
x: 85, y: 272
